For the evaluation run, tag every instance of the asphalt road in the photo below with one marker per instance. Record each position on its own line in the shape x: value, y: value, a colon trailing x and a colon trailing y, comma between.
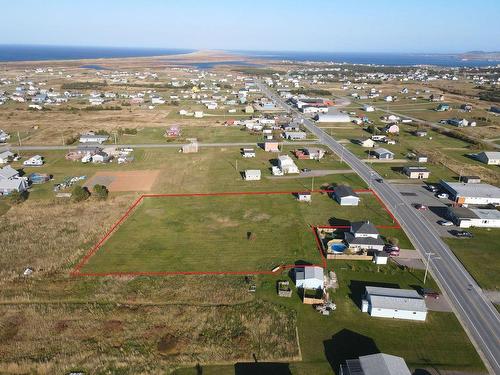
x: 150, y: 145
x: 477, y: 315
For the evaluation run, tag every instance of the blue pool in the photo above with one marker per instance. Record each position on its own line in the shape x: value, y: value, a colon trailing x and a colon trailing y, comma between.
x: 338, y: 247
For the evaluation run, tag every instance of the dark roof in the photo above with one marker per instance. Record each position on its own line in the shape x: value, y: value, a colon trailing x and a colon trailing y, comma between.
x: 344, y: 191
x: 462, y: 213
x: 415, y: 169
x: 363, y: 227
x: 368, y: 241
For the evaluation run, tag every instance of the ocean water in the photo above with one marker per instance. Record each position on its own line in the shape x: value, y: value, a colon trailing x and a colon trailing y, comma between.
x: 390, y: 59
x: 212, y: 64
x: 40, y: 53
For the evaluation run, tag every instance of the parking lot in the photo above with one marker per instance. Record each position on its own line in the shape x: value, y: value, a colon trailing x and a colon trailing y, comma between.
x: 418, y: 194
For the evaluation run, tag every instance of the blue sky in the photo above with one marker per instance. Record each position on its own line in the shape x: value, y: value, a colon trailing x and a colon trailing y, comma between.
x: 320, y: 25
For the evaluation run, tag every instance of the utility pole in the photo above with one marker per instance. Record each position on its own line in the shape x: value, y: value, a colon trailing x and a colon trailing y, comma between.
x: 19, y: 139
x: 312, y: 184
x: 236, y: 165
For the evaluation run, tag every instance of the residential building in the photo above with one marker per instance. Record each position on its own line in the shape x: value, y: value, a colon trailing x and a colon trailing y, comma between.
x: 375, y: 364
x: 345, y: 196
x: 93, y: 138
x: 443, y: 107
x: 294, y: 136
x: 304, y: 196
x: 363, y: 235
x: 368, y: 108
x: 475, y: 194
x: 367, y: 142
x: 309, y: 277
x: 6, y: 156
x: 34, y: 161
x: 394, y: 303
x: 248, y: 152
x: 271, y: 146
x: 416, y: 172
x: 489, y: 157
x: 287, y: 165
x: 10, y: 181
x: 392, y: 129
x: 382, y: 153
x: 252, y: 175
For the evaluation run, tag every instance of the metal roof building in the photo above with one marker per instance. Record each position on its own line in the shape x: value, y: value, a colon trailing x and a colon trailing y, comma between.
x: 375, y: 364
x: 479, y: 194
x: 394, y: 303
x: 309, y: 277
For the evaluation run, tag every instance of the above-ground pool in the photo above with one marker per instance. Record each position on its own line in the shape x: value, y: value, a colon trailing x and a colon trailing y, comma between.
x: 337, y: 248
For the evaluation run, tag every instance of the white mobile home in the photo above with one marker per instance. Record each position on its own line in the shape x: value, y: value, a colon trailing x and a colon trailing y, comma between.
x: 252, y: 175
x: 394, y: 303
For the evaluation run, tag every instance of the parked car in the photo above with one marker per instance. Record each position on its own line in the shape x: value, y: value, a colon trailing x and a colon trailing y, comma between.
x: 461, y: 233
x: 421, y: 207
x: 432, y: 188
x: 429, y: 293
x: 306, y: 170
x: 445, y: 223
x: 442, y: 196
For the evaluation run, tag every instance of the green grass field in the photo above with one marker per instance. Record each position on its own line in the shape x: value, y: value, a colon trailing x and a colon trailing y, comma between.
x: 480, y: 256
x: 211, y: 233
x: 327, y: 341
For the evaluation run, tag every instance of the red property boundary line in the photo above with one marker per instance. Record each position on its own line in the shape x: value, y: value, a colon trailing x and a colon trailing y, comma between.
x: 76, y: 270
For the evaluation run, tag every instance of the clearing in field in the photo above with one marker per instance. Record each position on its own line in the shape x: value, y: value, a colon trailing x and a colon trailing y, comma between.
x: 124, y: 180
x: 229, y: 233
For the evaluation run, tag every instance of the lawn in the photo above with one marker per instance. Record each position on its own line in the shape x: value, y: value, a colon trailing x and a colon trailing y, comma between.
x: 348, y: 333
x: 480, y: 256
x: 235, y: 233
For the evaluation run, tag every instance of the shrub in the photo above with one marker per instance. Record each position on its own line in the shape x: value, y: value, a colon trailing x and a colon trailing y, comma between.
x: 101, y: 192
x: 79, y: 194
x: 18, y: 197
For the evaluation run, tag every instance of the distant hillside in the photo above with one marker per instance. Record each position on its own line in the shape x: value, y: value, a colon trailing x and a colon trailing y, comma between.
x: 480, y: 55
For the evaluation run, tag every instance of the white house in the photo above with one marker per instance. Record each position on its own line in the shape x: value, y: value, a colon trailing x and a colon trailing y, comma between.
x: 36, y: 161
x: 6, y: 156
x: 309, y: 277
x: 252, y: 175
x: 287, y: 165
x: 369, y: 143
x: 304, y: 196
x: 10, y: 181
x: 369, y: 108
x: 394, y: 303
x: 93, y: 138
x: 248, y: 152
x: 346, y: 196
x: 382, y: 153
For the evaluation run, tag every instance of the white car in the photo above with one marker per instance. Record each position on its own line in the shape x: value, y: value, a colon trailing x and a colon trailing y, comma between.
x: 443, y: 195
x: 445, y: 223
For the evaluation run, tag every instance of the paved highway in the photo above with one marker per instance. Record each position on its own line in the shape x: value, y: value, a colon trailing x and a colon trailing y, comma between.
x: 477, y: 315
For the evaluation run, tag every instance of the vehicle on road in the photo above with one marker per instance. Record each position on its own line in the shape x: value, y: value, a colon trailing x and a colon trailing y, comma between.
x: 443, y: 196
x: 380, y: 180
x: 445, y: 223
x: 306, y: 170
x: 461, y: 233
x: 421, y: 207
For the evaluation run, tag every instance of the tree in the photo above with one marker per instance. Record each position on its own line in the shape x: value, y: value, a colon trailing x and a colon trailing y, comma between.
x: 101, y: 192
x: 79, y: 194
x: 393, y: 241
x: 18, y: 197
